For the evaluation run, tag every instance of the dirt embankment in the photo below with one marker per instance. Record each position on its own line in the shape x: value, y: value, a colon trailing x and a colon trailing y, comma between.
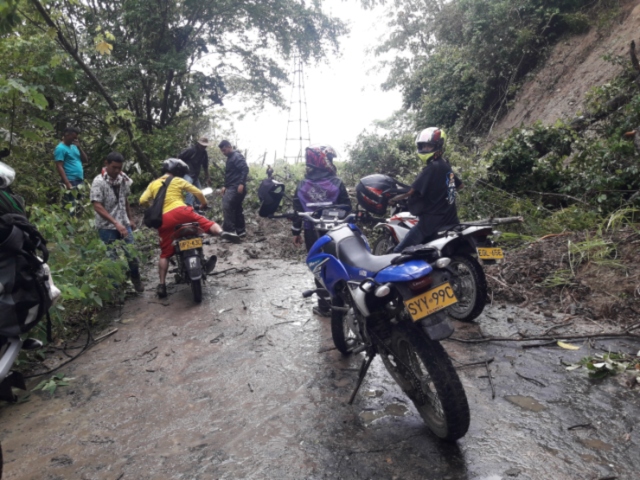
x: 575, y: 65
x: 595, y: 278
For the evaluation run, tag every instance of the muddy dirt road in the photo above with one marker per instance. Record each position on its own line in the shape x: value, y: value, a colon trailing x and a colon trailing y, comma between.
x: 245, y: 386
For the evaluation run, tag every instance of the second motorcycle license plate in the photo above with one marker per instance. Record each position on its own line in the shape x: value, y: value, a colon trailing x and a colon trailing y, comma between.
x: 490, y: 253
x: 430, y: 302
x: 190, y: 244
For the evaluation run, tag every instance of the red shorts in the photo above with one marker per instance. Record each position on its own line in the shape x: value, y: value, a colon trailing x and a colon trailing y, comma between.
x: 175, y: 217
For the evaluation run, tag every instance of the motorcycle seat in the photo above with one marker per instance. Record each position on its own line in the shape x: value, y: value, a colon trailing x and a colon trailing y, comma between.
x: 187, y: 230
x: 352, y: 251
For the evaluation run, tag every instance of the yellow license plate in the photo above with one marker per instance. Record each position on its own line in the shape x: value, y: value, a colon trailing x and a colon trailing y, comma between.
x: 190, y: 244
x: 490, y: 253
x: 430, y: 302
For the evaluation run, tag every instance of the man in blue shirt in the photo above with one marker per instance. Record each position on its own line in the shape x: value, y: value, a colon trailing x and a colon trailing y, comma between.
x: 69, y: 156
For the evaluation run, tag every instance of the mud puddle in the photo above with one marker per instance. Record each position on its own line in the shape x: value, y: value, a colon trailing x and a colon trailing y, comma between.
x: 247, y: 385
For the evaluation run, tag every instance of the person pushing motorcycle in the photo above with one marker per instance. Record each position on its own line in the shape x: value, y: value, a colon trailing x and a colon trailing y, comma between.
x: 432, y: 197
x: 176, y: 212
x: 320, y: 187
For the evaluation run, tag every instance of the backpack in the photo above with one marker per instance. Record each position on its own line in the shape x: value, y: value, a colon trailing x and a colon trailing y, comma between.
x: 270, y: 194
x: 153, y: 214
x: 26, y: 289
x: 10, y: 203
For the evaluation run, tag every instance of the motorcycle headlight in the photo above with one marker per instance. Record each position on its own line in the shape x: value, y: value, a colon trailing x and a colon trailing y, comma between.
x: 382, y: 291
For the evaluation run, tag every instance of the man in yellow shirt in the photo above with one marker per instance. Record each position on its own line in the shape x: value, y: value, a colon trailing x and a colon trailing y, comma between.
x: 176, y: 212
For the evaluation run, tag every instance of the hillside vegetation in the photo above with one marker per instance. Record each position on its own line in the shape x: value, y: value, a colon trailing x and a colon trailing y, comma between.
x: 462, y: 66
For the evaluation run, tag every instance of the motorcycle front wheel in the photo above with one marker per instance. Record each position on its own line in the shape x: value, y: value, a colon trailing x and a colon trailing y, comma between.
x: 425, y: 373
x: 470, y: 286
x: 196, y: 289
x: 343, y: 337
x: 383, y: 243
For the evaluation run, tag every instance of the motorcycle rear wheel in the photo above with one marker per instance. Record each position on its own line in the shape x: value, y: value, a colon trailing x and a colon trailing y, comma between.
x: 432, y: 383
x: 470, y: 286
x: 383, y: 243
x: 196, y: 289
x: 343, y: 338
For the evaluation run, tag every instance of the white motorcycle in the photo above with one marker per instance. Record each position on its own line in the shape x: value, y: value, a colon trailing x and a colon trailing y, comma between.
x: 463, y: 244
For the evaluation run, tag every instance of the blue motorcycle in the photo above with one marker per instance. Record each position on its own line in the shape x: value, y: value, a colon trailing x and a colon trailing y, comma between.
x: 392, y: 306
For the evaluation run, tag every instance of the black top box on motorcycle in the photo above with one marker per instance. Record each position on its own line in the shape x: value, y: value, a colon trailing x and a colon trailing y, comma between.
x: 373, y: 193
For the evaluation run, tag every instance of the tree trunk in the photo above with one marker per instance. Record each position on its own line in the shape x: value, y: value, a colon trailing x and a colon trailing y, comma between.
x: 142, y: 157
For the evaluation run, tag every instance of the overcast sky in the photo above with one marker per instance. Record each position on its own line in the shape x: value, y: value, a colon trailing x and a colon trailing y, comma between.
x: 343, y: 97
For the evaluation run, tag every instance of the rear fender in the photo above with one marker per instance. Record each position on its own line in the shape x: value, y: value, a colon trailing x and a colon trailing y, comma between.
x: 457, y: 245
x: 192, y: 265
x: 382, y: 226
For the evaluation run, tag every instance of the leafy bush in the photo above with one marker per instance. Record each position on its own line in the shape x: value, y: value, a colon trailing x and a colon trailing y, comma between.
x: 530, y: 159
x: 80, y: 268
x: 387, y: 154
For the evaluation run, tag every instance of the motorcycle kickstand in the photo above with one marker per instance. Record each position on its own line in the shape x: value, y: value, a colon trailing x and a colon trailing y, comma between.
x: 364, y: 368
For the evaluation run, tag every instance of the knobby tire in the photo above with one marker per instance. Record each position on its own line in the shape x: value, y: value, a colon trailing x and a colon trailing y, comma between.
x: 474, y: 301
x: 449, y: 419
x: 383, y: 243
x: 196, y: 289
x: 339, y: 328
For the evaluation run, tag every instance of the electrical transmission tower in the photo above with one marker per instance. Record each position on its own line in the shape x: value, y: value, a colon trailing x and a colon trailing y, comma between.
x: 294, y: 145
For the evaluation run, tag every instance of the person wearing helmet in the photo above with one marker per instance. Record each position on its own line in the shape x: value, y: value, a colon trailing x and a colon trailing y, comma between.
x: 432, y: 197
x: 320, y: 187
x: 176, y: 212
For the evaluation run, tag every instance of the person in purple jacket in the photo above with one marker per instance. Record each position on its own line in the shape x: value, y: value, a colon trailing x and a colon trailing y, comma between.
x: 320, y: 187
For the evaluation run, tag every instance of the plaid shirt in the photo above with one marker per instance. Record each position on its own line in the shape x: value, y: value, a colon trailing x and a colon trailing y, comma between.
x: 113, y: 199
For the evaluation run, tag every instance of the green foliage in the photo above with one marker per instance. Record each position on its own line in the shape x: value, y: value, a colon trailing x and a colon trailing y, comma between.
x: 80, y: 268
x: 459, y: 63
x: 50, y: 385
x: 600, y: 166
x: 530, y: 159
x: 603, y: 365
x: 387, y: 154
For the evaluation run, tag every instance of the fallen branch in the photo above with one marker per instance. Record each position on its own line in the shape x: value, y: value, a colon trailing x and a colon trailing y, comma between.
x: 495, y: 221
x: 542, y: 337
x: 532, y: 380
x: 581, y: 425
x: 535, y: 345
x: 499, y: 281
x: 493, y: 390
x: 482, y: 362
x: 553, y: 235
x: 548, y: 330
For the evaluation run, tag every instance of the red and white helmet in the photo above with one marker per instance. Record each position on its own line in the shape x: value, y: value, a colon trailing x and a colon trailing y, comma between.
x: 430, y: 142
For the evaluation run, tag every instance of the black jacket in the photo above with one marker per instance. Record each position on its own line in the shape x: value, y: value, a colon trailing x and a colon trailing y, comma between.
x: 236, y: 170
x: 196, y: 159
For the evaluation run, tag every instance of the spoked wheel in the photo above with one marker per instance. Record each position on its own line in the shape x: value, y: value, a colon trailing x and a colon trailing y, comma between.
x: 382, y: 245
x: 424, y: 371
x: 470, y: 286
x: 196, y: 289
x: 344, y: 338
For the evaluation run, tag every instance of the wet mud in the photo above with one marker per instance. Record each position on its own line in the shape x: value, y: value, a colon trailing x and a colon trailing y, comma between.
x: 247, y: 385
